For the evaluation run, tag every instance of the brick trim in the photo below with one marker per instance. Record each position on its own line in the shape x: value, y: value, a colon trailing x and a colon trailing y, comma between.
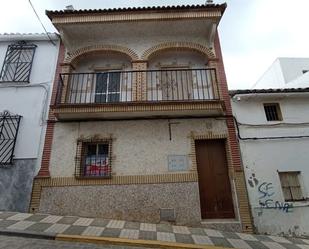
x: 44, y: 170
x: 100, y: 48
x: 177, y: 46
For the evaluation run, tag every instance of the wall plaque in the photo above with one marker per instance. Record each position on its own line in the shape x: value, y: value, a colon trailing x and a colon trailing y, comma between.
x: 177, y: 162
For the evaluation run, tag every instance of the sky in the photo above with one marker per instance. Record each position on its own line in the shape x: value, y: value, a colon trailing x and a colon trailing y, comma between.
x: 253, y: 33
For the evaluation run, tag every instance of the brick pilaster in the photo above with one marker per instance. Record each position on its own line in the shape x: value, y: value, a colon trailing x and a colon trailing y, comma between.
x: 139, y: 84
x: 44, y: 170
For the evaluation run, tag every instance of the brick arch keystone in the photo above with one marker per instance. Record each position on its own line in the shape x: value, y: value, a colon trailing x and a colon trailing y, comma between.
x: 100, y: 48
x: 177, y: 46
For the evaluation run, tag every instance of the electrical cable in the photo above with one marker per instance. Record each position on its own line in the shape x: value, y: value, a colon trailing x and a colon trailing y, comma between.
x: 50, y: 39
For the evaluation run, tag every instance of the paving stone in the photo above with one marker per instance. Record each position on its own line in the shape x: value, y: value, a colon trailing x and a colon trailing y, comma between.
x: 238, y: 243
x: 197, y: 231
x: 19, y: 216
x: 256, y: 244
x: 289, y: 246
x: 148, y: 227
x: 83, y: 222
x: 246, y: 236
x: 99, y: 222
x: 180, y: 229
x: 67, y: 220
x: 93, y: 231
x: 263, y: 238
x: 306, y: 241
x: 279, y: 239
x: 217, y: 241
x: 273, y: 245
x: 229, y: 235
x: 51, y: 219
x: 57, y: 228
x: 184, y: 238
x: 116, y: 224
x: 164, y: 228
x: 202, y: 240
x: 36, y: 217
x: 213, y: 233
x: 163, y: 236
x: 74, y: 230
x: 5, y: 215
x: 129, y: 233
x: 38, y: 227
x: 111, y: 232
x: 303, y: 246
x: 21, y: 225
x: 297, y: 241
x: 147, y: 235
x: 132, y: 225
x: 6, y: 223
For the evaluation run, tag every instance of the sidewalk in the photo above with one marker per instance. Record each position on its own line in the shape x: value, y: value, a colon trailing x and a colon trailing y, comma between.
x: 102, y: 230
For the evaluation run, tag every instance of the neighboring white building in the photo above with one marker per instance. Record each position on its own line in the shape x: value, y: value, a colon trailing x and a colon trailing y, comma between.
x: 273, y: 129
x: 285, y: 73
x: 27, y: 64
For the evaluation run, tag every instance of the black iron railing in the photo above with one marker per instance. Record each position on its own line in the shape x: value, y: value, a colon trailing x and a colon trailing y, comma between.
x: 138, y: 86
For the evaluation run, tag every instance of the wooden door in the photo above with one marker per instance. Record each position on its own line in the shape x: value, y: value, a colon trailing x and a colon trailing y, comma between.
x: 214, y: 184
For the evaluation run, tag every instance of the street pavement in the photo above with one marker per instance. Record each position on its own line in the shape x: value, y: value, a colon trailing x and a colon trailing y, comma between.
x: 10, y: 242
x: 54, y: 225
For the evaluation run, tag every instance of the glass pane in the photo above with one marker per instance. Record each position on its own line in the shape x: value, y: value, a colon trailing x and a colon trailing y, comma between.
x: 103, y: 149
x: 101, y: 83
x: 91, y: 150
x: 113, y: 97
x: 114, y: 82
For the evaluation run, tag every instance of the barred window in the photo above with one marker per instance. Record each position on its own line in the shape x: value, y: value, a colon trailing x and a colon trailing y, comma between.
x: 290, y: 186
x: 93, y: 159
x: 272, y: 112
x: 9, y: 124
x: 18, y: 62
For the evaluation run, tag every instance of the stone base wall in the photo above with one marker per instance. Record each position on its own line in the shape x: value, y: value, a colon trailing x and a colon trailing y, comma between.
x: 16, y: 185
x: 135, y: 202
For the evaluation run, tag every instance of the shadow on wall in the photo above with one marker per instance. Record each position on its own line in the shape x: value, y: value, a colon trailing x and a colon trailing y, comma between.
x: 16, y: 185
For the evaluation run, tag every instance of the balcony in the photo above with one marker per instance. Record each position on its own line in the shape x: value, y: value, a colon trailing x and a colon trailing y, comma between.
x: 138, y: 94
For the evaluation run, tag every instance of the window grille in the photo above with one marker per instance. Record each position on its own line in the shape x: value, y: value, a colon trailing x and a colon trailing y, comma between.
x: 18, y: 62
x: 272, y: 112
x: 290, y: 186
x: 9, y: 125
x: 93, y: 159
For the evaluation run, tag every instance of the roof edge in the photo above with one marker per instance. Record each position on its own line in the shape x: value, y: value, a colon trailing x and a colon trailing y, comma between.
x: 29, y: 37
x: 270, y: 90
x: 52, y: 13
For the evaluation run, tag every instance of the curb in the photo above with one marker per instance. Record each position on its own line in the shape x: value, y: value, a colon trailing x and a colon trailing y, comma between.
x: 27, y: 234
x: 132, y: 242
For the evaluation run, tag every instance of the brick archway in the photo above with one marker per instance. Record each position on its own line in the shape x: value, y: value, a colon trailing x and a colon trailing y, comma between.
x: 177, y: 46
x: 100, y: 48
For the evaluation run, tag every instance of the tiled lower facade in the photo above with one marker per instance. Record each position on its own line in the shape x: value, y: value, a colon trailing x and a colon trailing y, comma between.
x: 71, y: 225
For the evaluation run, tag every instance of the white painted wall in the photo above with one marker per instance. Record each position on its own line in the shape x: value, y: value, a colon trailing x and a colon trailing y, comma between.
x: 262, y: 159
x: 282, y: 72
x: 31, y: 100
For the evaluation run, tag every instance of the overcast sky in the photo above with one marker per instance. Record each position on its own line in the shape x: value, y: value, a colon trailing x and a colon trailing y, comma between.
x: 253, y: 32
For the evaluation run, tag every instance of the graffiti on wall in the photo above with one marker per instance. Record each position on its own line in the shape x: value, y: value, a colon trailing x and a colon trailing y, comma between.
x: 266, y: 194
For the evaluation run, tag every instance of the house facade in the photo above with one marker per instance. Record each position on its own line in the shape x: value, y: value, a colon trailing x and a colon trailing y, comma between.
x: 25, y: 88
x: 273, y: 134
x: 140, y: 127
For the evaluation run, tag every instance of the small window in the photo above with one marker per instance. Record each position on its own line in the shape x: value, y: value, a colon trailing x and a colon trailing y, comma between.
x: 9, y: 125
x: 272, y: 112
x: 17, y: 63
x: 290, y: 186
x: 94, y: 159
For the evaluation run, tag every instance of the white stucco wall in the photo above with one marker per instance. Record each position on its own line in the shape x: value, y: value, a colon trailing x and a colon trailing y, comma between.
x: 263, y: 159
x: 31, y: 100
x: 139, y: 147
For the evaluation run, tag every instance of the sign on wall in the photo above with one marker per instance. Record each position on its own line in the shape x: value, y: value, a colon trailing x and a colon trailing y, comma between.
x: 177, y: 162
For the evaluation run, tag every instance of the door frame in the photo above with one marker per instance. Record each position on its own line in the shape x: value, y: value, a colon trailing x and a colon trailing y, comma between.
x: 231, y: 175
